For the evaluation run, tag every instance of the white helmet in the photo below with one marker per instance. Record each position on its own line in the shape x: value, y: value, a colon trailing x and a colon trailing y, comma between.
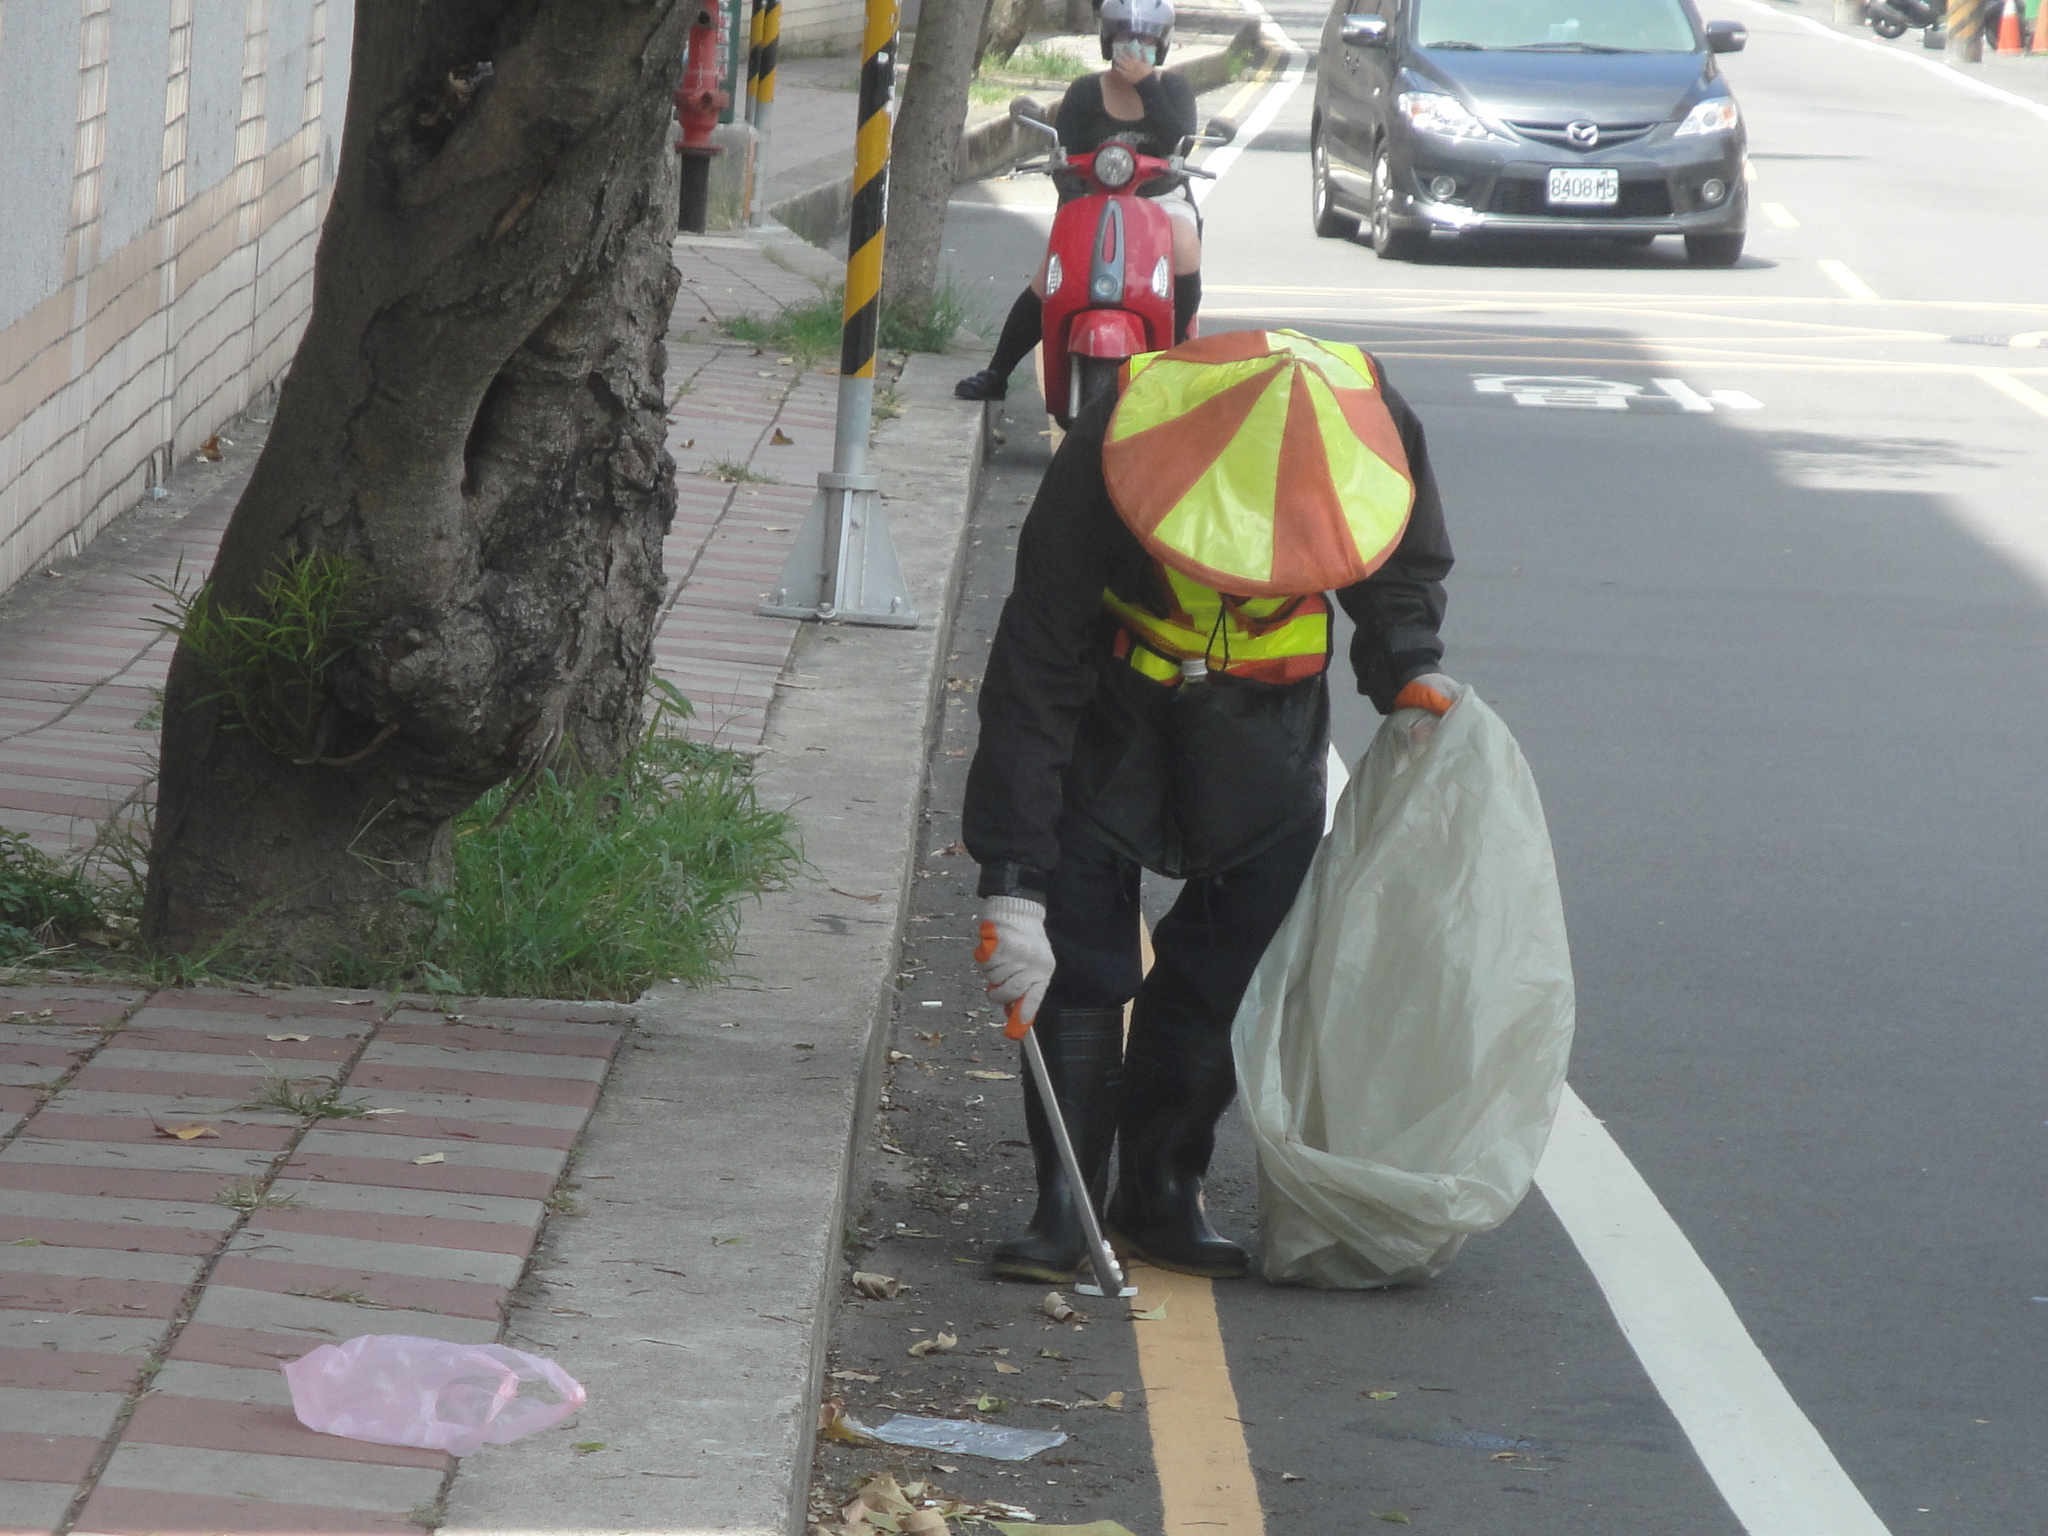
x: 1148, y: 21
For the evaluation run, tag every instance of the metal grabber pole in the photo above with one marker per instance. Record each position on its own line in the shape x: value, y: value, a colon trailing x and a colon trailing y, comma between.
x: 844, y: 566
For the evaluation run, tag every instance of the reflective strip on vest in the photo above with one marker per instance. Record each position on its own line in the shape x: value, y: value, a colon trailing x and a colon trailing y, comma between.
x: 1264, y: 639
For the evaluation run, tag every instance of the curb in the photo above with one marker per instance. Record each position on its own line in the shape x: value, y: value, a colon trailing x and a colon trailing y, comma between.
x: 694, y: 1300
x: 996, y: 143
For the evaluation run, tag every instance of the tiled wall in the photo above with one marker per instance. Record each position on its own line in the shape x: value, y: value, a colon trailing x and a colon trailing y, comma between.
x: 822, y: 26
x: 164, y: 167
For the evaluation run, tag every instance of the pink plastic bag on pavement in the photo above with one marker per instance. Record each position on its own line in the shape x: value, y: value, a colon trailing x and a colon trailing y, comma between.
x: 393, y: 1389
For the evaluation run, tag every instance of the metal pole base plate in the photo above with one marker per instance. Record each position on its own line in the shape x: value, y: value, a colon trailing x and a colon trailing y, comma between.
x: 1090, y: 1288
x: 843, y: 569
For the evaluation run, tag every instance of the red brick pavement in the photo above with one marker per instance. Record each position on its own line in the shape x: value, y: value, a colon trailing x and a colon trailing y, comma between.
x: 151, y: 1286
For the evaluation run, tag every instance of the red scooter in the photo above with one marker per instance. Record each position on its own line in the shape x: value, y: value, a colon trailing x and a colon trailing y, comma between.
x: 1109, y: 275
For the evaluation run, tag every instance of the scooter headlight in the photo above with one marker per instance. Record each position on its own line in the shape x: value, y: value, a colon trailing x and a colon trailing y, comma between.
x: 1162, y: 279
x: 1053, y: 274
x: 1115, y: 165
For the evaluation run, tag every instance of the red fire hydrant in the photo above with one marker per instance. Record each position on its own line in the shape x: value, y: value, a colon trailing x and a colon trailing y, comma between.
x: 698, y: 105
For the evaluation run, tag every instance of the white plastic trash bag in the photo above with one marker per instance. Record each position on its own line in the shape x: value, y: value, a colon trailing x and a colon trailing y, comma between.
x: 1402, y: 1047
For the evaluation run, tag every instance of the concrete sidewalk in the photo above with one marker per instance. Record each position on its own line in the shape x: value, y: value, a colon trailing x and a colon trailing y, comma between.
x: 676, y: 1223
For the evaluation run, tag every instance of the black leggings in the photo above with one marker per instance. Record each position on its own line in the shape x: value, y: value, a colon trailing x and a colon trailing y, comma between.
x: 1024, y: 327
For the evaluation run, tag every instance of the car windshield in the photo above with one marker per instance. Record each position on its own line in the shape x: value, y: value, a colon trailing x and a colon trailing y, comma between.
x: 1560, y: 26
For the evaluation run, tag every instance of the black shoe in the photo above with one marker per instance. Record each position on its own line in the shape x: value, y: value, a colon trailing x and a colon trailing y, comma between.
x: 1174, y: 1093
x: 1083, y: 1054
x: 985, y: 385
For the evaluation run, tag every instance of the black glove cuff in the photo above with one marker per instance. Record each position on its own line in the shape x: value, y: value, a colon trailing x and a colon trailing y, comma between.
x: 1003, y: 878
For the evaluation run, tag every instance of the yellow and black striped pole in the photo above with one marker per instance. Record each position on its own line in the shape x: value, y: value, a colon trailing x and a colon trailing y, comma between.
x: 761, y: 79
x: 844, y: 566
x: 865, y: 230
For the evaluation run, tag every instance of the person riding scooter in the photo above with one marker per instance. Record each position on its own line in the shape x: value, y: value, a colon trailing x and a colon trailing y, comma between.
x: 1155, y: 699
x: 1136, y: 99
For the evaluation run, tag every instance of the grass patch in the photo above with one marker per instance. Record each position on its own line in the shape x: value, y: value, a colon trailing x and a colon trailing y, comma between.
x: 317, y: 1098
x: 733, y: 472
x: 269, y: 665
x: 1041, y: 61
x: 250, y: 1195
x: 811, y: 330
x: 45, y: 903
x: 598, y: 887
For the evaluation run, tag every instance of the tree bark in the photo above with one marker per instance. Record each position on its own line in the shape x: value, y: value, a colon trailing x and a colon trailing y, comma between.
x: 924, y: 144
x: 474, y: 420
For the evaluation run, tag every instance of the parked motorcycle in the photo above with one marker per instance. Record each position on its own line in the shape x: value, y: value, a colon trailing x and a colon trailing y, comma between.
x: 1109, y: 272
x: 1893, y: 18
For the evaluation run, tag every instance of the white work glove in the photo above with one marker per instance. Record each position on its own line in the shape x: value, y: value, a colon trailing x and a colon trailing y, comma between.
x: 1015, y: 957
x: 1425, y: 700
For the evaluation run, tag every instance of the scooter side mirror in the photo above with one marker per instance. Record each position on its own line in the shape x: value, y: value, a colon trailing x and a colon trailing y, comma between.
x: 1726, y: 36
x: 1364, y: 32
x: 1221, y: 130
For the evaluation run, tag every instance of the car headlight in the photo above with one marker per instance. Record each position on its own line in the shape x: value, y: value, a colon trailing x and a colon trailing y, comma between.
x: 1717, y: 114
x: 1432, y: 112
x: 1115, y: 165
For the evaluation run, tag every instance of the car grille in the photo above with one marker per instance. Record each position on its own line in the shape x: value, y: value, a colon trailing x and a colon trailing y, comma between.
x: 1526, y: 195
x: 1554, y: 133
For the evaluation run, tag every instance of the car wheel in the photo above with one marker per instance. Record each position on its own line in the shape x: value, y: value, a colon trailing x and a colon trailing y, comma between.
x: 1885, y: 27
x: 1389, y: 243
x: 1713, y: 250
x: 1330, y: 221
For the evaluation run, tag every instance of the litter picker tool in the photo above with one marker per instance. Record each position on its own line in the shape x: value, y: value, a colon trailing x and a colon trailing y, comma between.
x: 1109, y: 1275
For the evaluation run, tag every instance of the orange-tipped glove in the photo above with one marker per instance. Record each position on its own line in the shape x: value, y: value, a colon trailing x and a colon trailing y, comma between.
x: 1431, y: 691
x: 1015, y: 958
x: 1433, y: 696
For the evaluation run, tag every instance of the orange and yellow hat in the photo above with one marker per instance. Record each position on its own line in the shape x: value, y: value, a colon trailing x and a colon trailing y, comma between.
x: 1260, y: 463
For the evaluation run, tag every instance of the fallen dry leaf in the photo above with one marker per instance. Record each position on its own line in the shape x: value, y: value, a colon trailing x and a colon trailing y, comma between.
x: 210, y: 449
x: 1004, y: 1368
x: 780, y: 438
x: 868, y: 1376
x: 186, y: 1132
x: 287, y: 1037
x: 1381, y: 1396
x: 876, y: 1287
x: 432, y: 1157
x: 942, y: 1345
x: 832, y: 1424
x: 925, y: 1522
x: 982, y: 1076
x: 1149, y: 1314
x: 1392, y: 1516
x: 855, y: 895
x: 353, y: 1002
x: 1056, y: 1307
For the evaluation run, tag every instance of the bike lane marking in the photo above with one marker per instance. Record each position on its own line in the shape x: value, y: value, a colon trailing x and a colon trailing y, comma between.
x: 1764, y: 1455
x: 2002, y: 381
x: 1297, y: 66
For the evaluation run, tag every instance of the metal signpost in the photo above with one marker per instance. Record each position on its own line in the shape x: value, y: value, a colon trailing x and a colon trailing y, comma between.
x: 844, y: 566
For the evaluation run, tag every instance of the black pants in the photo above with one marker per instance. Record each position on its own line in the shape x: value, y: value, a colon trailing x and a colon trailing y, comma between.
x: 1203, y: 951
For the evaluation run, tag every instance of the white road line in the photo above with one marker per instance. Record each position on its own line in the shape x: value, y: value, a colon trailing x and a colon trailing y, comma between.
x: 1779, y: 215
x: 2006, y: 384
x: 1846, y: 280
x: 1764, y: 1455
x: 1766, y: 1458
x: 1688, y: 398
x: 1262, y: 118
x: 1953, y: 76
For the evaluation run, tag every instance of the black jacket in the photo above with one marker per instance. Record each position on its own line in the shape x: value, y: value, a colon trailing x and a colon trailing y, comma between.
x: 1184, y: 780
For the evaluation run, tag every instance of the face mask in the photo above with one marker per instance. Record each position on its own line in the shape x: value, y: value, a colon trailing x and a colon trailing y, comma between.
x: 1131, y: 48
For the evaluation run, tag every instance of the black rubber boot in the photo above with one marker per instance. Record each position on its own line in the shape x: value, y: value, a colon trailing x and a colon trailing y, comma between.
x: 1175, y: 1090
x: 1083, y: 1054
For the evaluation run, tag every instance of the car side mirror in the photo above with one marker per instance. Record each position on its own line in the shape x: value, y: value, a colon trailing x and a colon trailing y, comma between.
x: 1221, y: 130
x: 1364, y: 32
x: 1726, y: 36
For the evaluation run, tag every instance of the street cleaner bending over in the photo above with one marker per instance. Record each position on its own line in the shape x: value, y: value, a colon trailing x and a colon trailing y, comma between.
x: 1155, y: 699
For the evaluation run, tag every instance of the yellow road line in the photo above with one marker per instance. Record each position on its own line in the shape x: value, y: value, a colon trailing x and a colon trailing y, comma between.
x: 1261, y: 78
x: 1206, y: 1483
x: 1838, y: 272
x: 2002, y: 381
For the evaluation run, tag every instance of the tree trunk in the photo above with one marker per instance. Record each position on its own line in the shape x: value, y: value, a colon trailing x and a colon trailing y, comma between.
x: 923, y: 146
x: 474, y: 422
x: 1009, y: 20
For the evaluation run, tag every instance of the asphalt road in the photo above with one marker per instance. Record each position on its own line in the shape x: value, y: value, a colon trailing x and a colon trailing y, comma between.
x: 1777, y: 667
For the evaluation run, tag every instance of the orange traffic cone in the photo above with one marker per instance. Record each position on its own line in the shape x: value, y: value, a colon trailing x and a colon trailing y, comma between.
x: 2009, y: 29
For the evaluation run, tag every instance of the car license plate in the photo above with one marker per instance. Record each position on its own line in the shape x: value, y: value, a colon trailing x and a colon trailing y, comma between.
x: 1584, y: 189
